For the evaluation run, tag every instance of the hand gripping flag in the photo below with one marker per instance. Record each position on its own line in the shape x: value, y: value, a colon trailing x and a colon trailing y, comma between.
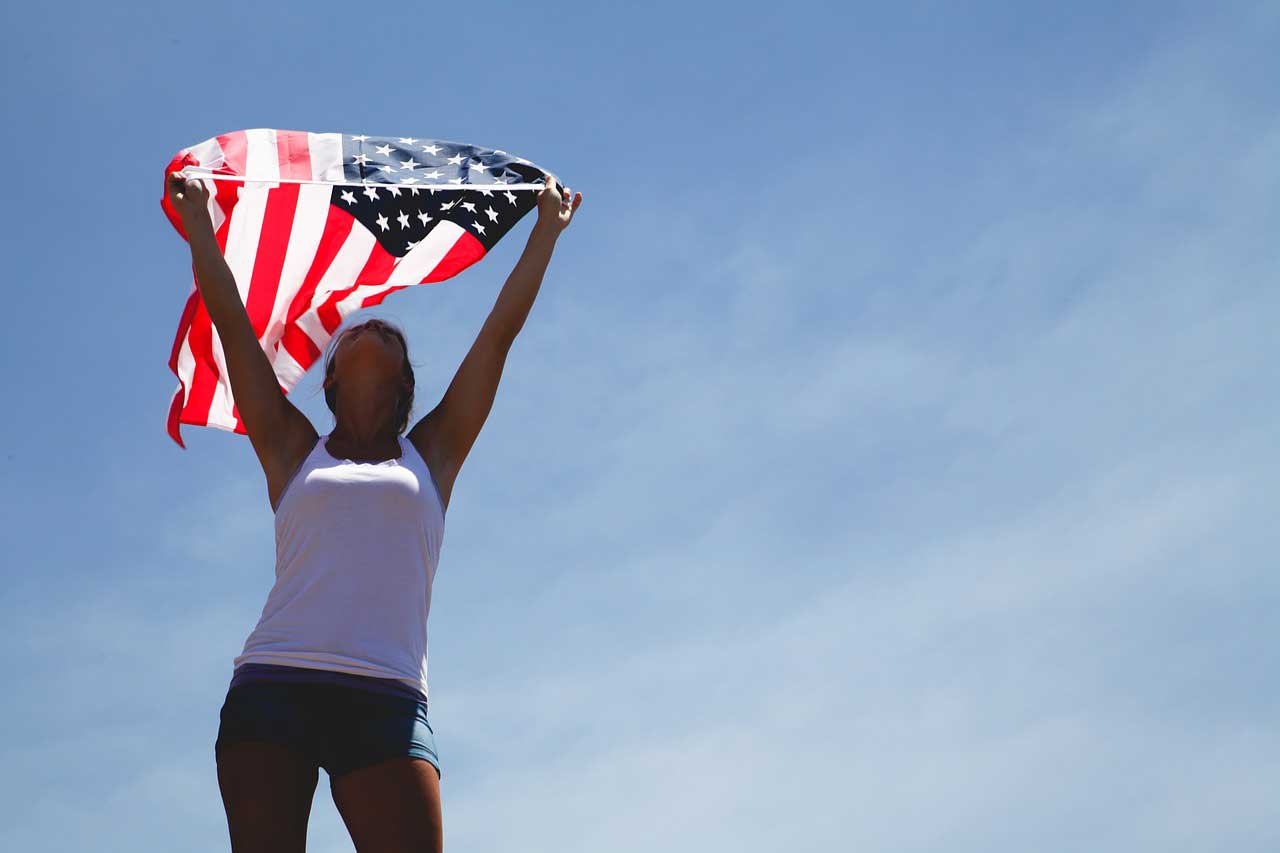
x: 315, y: 226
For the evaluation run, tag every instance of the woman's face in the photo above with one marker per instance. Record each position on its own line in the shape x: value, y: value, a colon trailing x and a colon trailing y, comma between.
x: 369, y: 358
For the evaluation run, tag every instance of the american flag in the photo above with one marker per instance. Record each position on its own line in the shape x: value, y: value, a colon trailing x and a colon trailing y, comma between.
x: 316, y: 226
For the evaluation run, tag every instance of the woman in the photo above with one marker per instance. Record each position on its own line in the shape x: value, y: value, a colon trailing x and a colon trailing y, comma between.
x: 334, y: 674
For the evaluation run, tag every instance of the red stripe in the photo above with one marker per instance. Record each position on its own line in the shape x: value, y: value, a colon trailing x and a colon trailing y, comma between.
x: 203, y: 382
x: 376, y: 270
x: 235, y: 152
x: 175, y: 409
x: 273, y: 241
x: 337, y: 227
x: 294, y: 150
x: 376, y: 298
x: 185, y: 323
x: 300, y: 346
x: 465, y: 252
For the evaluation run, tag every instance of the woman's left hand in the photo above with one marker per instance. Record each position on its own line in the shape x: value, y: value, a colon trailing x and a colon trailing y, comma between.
x: 555, y: 208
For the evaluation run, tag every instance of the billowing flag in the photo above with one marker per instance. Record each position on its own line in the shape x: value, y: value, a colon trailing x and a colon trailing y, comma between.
x: 315, y: 226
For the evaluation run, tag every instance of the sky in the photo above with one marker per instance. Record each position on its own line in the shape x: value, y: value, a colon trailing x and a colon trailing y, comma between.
x: 887, y: 464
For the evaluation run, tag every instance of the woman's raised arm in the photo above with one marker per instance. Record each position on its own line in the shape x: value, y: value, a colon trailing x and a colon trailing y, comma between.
x: 445, y: 435
x: 281, y: 435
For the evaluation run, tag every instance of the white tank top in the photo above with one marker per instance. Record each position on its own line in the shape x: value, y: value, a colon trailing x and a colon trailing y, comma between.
x: 357, y: 544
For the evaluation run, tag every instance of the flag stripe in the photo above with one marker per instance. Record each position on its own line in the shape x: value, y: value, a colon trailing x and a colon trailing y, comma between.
x: 326, y: 157
x: 272, y: 244
x: 294, y: 154
x: 241, y: 253
x: 377, y: 266
x: 352, y: 257
x: 234, y: 151
x: 464, y: 253
x: 309, y: 221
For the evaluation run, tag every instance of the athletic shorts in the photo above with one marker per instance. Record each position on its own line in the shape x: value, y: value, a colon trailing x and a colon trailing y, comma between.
x: 338, y: 727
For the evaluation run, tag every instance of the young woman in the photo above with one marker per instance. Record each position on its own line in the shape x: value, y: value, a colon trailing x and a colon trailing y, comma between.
x: 334, y: 674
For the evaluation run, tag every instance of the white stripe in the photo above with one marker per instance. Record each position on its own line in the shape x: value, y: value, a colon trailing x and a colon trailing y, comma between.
x: 427, y: 255
x: 263, y: 155
x: 208, y: 153
x: 411, y: 269
x: 304, y: 240
x: 341, y: 274
x: 221, y: 413
x: 326, y: 156
x: 288, y: 371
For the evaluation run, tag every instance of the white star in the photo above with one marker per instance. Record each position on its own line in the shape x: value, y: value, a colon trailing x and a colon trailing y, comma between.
x: 371, y: 192
x: 486, y: 191
x: 471, y: 208
x: 456, y: 159
x: 382, y: 220
x: 510, y: 197
x: 425, y: 219
x: 478, y: 227
x: 479, y: 167
x: 433, y: 150
x: 409, y: 248
x: 491, y: 213
x: 360, y: 138
x: 409, y: 181
x: 455, y: 180
x: 388, y: 168
x: 434, y: 173
x: 408, y: 140
x: 403, y: 219
x: 384, y: 150
x: 349, y: 197
x: 361, y: 159
x: 410, y: 165
x: 395, y: 191
x: 447, y: 206
x: 414, y: 190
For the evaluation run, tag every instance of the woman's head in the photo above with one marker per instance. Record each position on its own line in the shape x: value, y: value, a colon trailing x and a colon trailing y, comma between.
x: 368, y: 367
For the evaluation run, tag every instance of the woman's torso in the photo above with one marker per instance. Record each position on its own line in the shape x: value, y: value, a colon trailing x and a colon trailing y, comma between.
x: 357, y: 545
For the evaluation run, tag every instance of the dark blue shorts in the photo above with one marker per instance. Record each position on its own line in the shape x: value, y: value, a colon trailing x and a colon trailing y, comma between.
x: 337, y: 727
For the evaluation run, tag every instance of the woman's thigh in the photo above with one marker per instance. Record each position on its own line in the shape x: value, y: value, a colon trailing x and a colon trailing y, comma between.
x: 391, y: 806
x: 383, y: 772
x: 267, y: 789
x: 267, y: 765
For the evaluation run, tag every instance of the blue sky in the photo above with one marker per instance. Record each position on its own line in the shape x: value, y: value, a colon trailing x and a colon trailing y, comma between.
x: 888, y: 462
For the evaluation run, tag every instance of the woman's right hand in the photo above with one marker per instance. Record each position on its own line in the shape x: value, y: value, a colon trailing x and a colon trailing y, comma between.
x: 188, y: 197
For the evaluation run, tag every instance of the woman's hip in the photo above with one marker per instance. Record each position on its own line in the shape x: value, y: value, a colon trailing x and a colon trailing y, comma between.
x: 338, y: 728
